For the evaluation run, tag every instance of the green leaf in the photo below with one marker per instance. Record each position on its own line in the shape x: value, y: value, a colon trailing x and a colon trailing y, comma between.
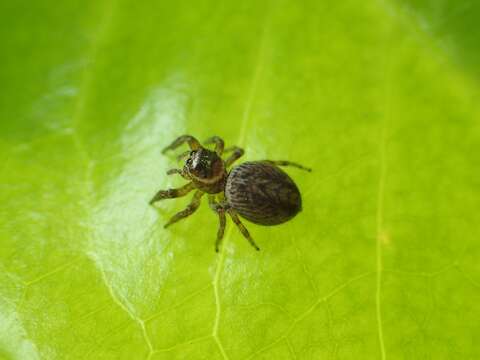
x: 380, y: 98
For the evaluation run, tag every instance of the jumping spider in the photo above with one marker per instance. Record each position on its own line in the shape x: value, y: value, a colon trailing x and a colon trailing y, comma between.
x: 258, y: 191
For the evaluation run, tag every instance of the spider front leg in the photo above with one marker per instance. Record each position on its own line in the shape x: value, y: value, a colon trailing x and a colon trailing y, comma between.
x: 219, y: 144
x: 183, y: 155
x: 220, y: 210
x: 237, y: 154
x: 172, y: 193
x: 242, y: 228
x: 179, y: 172
x: 192, y: 142
x: 191, y: 208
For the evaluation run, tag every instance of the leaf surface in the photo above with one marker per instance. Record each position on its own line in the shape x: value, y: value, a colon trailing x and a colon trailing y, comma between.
x: 380, y: 98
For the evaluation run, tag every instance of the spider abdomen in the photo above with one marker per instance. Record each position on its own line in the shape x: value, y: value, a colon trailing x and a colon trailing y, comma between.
x: 262, y: 193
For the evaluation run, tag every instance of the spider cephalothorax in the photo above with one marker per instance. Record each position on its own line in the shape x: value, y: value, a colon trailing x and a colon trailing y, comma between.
x: 206, y: 169
x: 259, y: 191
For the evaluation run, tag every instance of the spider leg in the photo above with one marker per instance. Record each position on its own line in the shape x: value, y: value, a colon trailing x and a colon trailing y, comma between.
x: 220, y: 210
x: 242, y: 228
x: 183, y: 155
x: 219, y: 144
x: 179, y: 172
x: 192, y: 142
x: 287, y: 163
x: 172, y: 193
x: 237, y: 153
x: 190, y: 209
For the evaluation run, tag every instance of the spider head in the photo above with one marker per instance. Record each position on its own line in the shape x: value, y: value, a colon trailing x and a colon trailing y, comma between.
x: 204, y: 166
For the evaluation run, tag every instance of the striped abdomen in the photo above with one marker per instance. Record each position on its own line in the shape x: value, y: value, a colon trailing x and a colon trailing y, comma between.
x: 262, y: 193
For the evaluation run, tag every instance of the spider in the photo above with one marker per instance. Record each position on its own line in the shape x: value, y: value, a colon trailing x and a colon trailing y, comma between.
x: 258, y: 191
